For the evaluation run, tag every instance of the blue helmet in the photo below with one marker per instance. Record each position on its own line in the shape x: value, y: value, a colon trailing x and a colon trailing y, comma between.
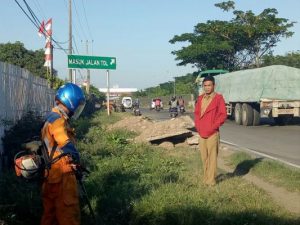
x: 72, y: 97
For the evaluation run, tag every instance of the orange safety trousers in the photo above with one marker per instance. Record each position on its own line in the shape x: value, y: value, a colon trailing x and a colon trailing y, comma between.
x: 61, y: 199
x: 61, y: 204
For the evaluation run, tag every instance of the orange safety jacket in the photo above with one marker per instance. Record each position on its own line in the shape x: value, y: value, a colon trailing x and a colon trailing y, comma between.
x: 57, y: 132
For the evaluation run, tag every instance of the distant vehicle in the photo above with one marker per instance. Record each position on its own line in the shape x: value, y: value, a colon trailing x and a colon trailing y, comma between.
x: 202, y: 75
x: 127, y: 102
x: 267, y: 92
x: 157, y: 104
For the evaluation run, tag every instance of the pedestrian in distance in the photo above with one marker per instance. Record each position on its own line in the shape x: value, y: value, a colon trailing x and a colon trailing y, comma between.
x: 59, y: 191
x: 210, y: 114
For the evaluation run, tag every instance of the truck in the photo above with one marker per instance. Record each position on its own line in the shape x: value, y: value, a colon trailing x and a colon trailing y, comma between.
x: 267, y: 92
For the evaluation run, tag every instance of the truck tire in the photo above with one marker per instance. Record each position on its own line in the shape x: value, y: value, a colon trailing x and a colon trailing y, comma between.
x: 256, y: 116
x: 247, y: 115
x: 238, y: 114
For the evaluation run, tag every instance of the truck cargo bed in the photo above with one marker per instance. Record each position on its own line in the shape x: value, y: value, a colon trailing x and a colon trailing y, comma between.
x: 271, y: 82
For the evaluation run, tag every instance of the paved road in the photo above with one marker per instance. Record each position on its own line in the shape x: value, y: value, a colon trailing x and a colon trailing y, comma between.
x: 280, y: 142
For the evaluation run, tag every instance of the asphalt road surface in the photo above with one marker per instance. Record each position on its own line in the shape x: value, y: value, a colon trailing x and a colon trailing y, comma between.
x: 279, y: 142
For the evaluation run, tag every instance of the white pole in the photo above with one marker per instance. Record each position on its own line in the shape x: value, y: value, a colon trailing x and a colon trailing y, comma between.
x: 107, y: 97
x: 74, y: 76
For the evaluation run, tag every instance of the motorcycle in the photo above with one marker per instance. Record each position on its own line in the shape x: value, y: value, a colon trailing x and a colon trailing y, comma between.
x: 157, y: 108
x: 136, y: 111
x: 181, y: 109
x: 173, y: 112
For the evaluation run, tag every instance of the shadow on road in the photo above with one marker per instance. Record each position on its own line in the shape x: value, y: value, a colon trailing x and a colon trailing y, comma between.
x: 241, y: 169
x: 288, y: 122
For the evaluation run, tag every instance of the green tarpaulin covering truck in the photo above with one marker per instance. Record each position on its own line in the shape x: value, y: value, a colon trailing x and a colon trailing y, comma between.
x: 272, y: 91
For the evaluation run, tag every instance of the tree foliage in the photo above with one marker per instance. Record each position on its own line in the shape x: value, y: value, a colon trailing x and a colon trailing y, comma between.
x: 290, y: 59
x: 17, y: 54
x: 235, y: 44
x: 183, y: 85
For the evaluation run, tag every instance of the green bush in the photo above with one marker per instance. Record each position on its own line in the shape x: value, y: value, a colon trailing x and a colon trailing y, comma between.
x: 27, y: 128
x: 20, y: 201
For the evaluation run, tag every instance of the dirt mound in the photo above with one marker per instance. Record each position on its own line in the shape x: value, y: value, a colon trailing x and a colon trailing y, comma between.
x: 152, y: 131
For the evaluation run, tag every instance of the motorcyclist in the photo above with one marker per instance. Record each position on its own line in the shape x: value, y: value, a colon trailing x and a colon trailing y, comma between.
x: 181, y: 104
x: 173, y: 103
x: 137, y: 103
x: 157, y: 103
x: 59, y: 190
x: 136, y: 107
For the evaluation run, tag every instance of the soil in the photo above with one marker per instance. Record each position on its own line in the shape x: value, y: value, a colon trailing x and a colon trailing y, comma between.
x: 287, y: 199
x: 157, y: 132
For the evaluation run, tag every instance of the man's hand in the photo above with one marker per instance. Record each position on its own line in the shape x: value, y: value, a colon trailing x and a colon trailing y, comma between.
x: 79, y: 170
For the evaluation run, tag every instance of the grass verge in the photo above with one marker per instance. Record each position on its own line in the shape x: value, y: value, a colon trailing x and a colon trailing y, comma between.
x: 133, y: 184
x: 270, y: 170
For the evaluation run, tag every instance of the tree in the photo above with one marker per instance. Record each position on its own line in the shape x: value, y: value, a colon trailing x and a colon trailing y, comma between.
x: 17, y: 54
x: 290, y: 59
x: 235, y: 44
x: 184, y: 85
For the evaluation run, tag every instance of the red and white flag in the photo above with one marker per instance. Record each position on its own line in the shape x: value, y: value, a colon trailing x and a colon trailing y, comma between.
x: 46, y: 31
x: 48, y: 27
x: 42, y: 29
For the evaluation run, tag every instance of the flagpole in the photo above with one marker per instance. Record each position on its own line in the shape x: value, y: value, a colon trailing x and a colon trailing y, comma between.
x: 51, y: 63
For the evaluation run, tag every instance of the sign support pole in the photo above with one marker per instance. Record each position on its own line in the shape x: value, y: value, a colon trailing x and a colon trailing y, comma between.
x: 107, y: 97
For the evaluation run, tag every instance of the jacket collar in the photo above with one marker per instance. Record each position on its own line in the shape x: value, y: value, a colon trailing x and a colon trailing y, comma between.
x: 211, y: 106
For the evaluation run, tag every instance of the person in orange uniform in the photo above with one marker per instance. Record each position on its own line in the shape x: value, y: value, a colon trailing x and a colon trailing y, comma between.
x: 59, y: 191
x: 210, y: 114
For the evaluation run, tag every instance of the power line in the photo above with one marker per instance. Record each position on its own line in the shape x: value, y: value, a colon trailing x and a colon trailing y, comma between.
x: 74, y: 25
x: 38, y: 22
x: 79, y: 20
x: 75, y: 44
x: 87, y: 23
x: 39, y: 8
x: 35, y: 21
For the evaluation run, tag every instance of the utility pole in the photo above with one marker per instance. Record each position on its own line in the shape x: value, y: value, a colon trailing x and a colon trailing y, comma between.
x: 107, y: 94
x: 70, y: 37
x: 88, y: 71
x: 174, y: 86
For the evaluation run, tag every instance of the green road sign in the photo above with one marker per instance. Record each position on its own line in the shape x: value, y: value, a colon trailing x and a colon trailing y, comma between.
x: 91, y: 62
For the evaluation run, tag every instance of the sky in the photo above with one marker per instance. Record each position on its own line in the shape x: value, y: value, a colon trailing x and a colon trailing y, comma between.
x: 136, y: 32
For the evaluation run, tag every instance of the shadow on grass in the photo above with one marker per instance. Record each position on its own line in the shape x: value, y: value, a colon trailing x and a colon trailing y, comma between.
x: 241, y: 169
x: 185, y: 215
x: 114, y: 196
x: 117, y: 192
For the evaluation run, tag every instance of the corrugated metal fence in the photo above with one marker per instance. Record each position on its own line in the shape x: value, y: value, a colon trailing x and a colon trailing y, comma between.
x: 20, y: 91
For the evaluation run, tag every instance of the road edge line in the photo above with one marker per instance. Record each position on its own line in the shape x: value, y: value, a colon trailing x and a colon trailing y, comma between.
x: 260, y: 153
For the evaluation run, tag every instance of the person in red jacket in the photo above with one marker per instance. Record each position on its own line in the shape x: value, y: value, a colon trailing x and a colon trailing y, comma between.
x: 210, y: 114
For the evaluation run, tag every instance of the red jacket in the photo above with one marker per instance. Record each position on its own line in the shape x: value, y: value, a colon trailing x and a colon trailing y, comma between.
x: 213, y: 117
